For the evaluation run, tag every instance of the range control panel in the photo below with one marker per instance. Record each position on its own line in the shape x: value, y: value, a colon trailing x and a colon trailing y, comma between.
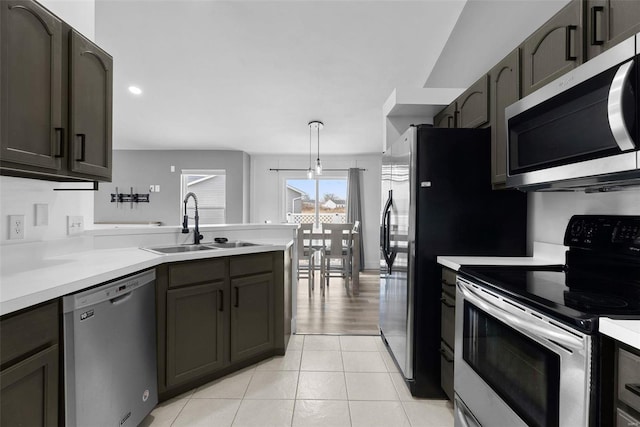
x: 604, y: 232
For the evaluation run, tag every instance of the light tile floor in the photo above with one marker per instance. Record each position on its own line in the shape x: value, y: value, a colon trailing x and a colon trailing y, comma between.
x: 328, y: 381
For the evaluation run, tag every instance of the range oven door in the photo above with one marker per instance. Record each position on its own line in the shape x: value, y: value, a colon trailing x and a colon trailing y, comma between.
x: 579, y: 130
x: 516, y: 367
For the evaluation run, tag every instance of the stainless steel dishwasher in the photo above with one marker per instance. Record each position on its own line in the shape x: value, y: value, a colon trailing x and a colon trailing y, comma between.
x: 110, y: 353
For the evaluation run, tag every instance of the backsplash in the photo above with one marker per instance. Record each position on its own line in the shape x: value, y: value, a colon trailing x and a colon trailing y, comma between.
x: 549, y: 212
x: 18, y: 196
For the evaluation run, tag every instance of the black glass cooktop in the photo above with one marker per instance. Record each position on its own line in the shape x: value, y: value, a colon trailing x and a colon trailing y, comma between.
x: 546, y: 289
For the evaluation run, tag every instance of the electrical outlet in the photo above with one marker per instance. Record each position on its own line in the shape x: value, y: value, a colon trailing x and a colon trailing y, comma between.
x: 151, y: 188
x: 157, y: 188
x: 16, y: 227
x: 75, y: 224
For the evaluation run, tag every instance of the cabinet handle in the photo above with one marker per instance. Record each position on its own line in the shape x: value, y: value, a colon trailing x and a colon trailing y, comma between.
x: 597, y: 35
x: 60, y: 141
x: 83, y: 147
x: 220, y: 300
x: 570, y: 47
x: 456, y: 119
x: 633, y: 388
x: 447, y: 303
x: 450, y: 122
x: 445, y: 355
x: 237, y: 291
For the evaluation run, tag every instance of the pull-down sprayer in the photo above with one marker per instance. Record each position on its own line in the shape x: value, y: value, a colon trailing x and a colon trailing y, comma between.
x: 185, y: 222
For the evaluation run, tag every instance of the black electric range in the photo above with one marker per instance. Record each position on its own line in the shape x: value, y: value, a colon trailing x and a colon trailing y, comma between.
x: 601, y: 277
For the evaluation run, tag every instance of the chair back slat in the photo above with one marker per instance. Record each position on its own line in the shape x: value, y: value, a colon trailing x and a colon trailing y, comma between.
x: 336, y: 237
x: 304, y: 238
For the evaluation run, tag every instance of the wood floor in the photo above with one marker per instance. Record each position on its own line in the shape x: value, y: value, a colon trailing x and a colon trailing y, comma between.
x: 337, y: 312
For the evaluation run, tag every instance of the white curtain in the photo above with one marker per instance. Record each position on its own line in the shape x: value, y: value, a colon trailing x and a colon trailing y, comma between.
x: 354, y: 206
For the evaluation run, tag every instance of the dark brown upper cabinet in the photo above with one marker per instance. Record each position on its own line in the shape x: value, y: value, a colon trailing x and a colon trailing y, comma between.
x: 473, y: 105
x: 505, y: 90
x: 31, y: 88
x: 609, y: 22
x: 554, y: 49
x: 446, y: 118
x: 56, y: 98
x: 91, y: 77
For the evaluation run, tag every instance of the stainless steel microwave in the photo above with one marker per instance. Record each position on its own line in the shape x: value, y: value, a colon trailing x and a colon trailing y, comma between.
x: 580, y: 131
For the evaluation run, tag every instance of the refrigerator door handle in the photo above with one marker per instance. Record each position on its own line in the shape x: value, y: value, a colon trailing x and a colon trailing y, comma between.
x: 387, y: 250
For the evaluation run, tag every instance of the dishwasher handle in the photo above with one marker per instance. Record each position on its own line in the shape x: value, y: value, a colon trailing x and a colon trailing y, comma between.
x: 121, y: 298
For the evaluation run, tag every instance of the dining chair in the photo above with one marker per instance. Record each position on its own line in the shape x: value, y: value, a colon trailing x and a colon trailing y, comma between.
x: 336, y: 245
x: 306, y: 252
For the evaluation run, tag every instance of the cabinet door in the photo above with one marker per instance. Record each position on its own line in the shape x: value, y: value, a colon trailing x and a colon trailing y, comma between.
x: 91, y: 81
x: 505, y: 90
x: 473, y: 105
x: 446, y: 117
x: 29, y: 395
x: 195, y: 331
x: 554, y: 49
x: 252, y: 315
x: 31, y: 88
x: 609, y: 22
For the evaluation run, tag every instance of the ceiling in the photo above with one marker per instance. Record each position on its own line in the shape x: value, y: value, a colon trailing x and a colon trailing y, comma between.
x: 249, y: 75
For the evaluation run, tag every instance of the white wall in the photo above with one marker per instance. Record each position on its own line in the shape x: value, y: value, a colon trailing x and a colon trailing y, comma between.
x: 549, y: 213
x: 268, y: 191
x: 19, y: 195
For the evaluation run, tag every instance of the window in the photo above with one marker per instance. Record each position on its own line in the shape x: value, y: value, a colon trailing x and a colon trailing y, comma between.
x: 209, y: 186
x: 320, y: 200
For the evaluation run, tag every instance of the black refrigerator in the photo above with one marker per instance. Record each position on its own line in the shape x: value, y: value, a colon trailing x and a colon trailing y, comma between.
x: 436, y: 200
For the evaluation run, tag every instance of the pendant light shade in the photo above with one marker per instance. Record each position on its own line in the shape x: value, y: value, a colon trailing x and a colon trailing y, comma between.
x: 315, y: 125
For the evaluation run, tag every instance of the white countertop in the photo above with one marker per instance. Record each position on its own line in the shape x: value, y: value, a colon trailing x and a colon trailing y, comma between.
x: 55, y: 276
x: 626, y: 331
x: 543, y: 254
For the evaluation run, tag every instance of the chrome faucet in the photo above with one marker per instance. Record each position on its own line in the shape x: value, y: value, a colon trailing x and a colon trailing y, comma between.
x: 185, y: 222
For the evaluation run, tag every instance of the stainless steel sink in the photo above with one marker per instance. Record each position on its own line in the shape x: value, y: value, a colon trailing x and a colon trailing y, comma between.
x: 176, y: 249
x: 227, y: 245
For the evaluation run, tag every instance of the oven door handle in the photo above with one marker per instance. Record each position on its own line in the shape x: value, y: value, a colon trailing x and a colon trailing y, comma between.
x: 521, y: 323
x: 615, y: 108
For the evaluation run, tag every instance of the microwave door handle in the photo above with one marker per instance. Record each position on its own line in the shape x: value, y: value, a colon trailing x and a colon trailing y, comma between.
x: 519, y: 322
x: 614, y: 108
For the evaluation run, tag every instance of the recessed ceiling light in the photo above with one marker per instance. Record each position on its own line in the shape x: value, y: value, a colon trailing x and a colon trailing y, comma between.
x: 135, y: 90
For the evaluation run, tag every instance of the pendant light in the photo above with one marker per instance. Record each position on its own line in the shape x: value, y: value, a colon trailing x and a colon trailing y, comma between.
x: 317, y: 125
x: 309, y: 171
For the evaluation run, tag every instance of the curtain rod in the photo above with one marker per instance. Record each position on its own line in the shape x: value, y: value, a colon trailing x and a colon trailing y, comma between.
x: 304, y: 170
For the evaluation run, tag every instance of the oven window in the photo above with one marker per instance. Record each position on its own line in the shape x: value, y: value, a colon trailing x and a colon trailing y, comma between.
x: 523, y: 373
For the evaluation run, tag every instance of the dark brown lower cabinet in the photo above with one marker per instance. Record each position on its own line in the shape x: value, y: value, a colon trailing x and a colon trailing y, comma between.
x: 447, y: 331
x: 29, y: 356
x: 252, y: 318
x: 218, y: 315
x: 29, y: 394
x: 195, y: 331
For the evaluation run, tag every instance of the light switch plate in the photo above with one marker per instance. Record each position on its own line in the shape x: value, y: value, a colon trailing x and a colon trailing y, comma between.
x: 157, y: 188
x: 75, y: 224
x: 16, y: 227
x: 42, y: 214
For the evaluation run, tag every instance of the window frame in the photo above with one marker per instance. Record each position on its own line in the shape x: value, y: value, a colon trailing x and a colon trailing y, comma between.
x: 302, y: 175
x: 184, y: 172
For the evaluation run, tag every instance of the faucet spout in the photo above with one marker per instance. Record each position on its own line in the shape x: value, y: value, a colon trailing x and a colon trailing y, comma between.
x: 185, y: 222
